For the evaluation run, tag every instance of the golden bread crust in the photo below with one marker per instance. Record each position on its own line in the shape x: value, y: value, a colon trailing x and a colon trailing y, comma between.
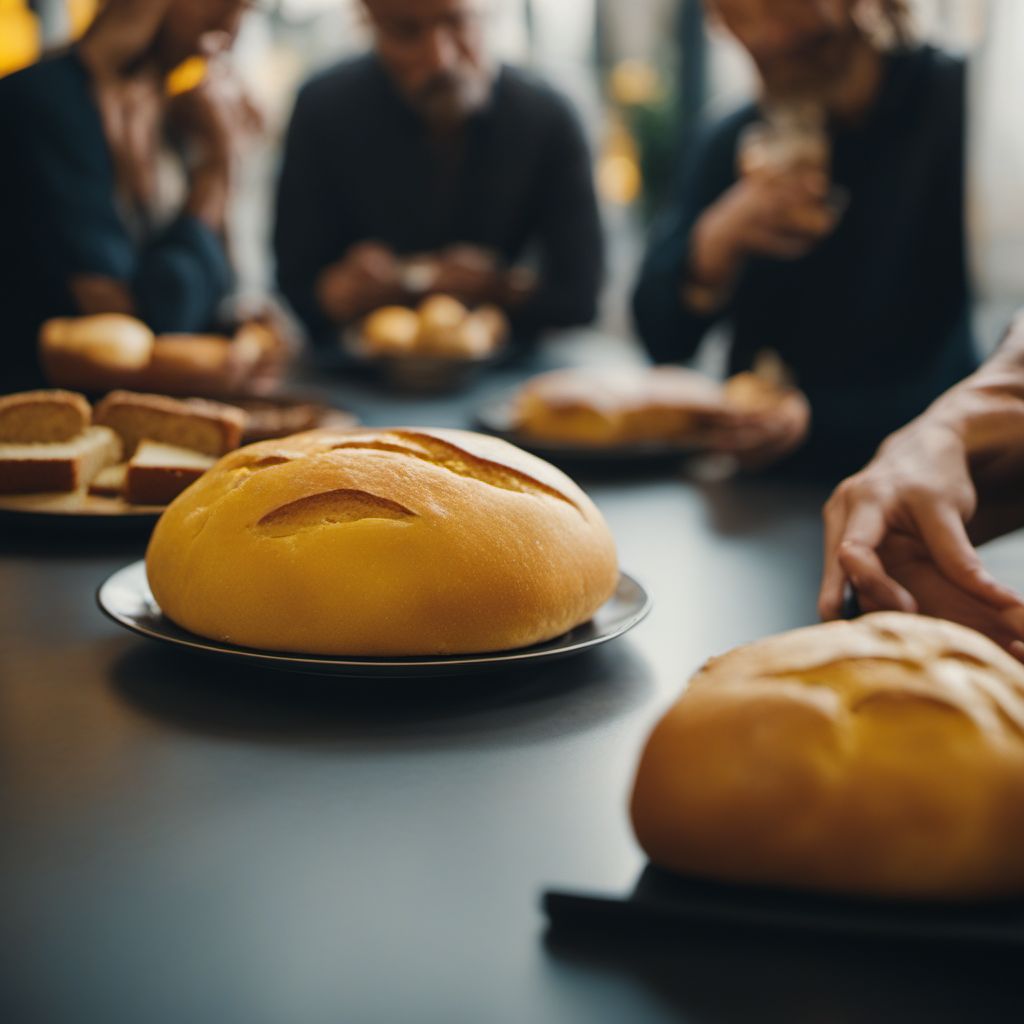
x: 382, y: 542
x: 883, y: 756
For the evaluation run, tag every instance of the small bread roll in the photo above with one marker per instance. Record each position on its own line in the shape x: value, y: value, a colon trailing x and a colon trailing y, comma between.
x: 382, y: 543
x: 207, y: 364
x: 391, y: 330
x: 440, y: 316
x: 883, y: 757
x: 93, y: 353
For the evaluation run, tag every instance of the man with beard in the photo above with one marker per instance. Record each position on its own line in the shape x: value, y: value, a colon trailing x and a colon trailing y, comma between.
x: 424, y: 166
x: 825, y: 223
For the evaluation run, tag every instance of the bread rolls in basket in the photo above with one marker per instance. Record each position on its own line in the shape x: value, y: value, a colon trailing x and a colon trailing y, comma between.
x: 382, y: 543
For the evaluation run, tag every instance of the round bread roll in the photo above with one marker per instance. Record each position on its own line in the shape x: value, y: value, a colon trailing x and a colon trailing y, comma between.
x: 391, y: 330
x: 440, y: 317
x: 882, y: 757
x: 95, y: 353
x: 382, y: 542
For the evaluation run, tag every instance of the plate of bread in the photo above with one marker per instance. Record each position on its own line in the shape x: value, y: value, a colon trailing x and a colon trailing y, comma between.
x: 623, y: 413
x: 109, y: 351
x: 380, y: 552
x: 438, y: 346
x: 126, y: 456
x: 863, y: 776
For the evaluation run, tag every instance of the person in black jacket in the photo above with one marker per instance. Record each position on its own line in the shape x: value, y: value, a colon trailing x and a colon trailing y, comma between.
x: 423, y: 166
x: 846, y: 259
x: 82, y: 130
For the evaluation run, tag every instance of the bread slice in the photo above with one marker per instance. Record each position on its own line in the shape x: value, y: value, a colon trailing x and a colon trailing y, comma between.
x: 60, y: 466
x: 109, y: 481
x: 158, y: 473
x: 36, y: 417
x: 212, y: 428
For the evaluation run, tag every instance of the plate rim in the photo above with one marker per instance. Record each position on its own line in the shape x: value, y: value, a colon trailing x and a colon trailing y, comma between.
x: 337, y: 665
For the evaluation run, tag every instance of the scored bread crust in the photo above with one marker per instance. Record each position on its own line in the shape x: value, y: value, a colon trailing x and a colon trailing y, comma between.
x: 382, y: 542
x: 883, y: 757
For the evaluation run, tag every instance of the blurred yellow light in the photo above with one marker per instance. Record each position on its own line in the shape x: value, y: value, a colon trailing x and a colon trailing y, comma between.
x: 19, y: 36
x: 80, y: 15
x: 618, y: 179
x: 634, y: 83
x: 186, y: 75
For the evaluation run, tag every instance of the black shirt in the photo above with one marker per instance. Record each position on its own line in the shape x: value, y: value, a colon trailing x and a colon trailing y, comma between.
x: 60, y: 215
x: 358, y: 166
x: 874, y: 320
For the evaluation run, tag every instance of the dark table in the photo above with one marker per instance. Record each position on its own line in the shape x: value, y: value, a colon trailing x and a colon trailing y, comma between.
x: 184, y: 842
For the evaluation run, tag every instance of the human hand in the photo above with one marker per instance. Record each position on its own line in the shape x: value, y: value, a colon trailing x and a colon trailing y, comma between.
x: 907, y: 560
x: 468, y: 273
x: 367, y: 277
x: 763, y: 434
x: 216, y: 117
x: 779, y: 214
x: 916, y: 491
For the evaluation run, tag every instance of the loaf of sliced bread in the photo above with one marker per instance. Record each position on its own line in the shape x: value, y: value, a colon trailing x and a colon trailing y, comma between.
x: 57, y: 466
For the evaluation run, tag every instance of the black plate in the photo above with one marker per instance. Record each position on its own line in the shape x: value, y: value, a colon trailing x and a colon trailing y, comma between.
x: 126, y: 598
x: 97, y: 515
x: 667, y: 905
x: 496, y: 416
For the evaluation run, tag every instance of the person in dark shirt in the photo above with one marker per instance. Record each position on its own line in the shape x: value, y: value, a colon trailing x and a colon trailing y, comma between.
x: 853, y: 270
x: 424, y: 167
x: 82, y: 131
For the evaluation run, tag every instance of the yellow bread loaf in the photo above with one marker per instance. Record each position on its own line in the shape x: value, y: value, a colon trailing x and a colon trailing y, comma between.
x: 883, y: 757
x: 382, y: 542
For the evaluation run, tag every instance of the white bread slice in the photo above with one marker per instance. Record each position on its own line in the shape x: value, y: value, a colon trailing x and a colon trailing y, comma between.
x: 60, y: 466
x: 158, y: 473
x: 109, y: 482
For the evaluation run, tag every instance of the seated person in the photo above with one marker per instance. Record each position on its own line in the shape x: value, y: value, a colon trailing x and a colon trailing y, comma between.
x: 825, y: 223
x: 902, y: 531
x: 77, y: 180
x: 426, y: 167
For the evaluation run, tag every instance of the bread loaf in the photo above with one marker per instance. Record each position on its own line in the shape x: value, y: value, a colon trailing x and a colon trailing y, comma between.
x: 883, y: 756
x: 95, y: 353
x: 382, y: 542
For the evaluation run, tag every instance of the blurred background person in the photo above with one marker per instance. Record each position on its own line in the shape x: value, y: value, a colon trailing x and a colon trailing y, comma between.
x: 83, y: 131
x: 826, y: 223
x: 427, y: 166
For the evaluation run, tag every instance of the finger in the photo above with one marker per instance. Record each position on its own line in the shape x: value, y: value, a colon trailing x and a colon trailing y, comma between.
x: 867, y: 576
x: 866, y: 526
x: 945, y: 536
x: 833, y: 579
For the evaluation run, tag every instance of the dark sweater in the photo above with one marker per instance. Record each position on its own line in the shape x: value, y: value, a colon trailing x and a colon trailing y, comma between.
x: 874, y: 320
x: 60, y: 217
x: 358, y: 166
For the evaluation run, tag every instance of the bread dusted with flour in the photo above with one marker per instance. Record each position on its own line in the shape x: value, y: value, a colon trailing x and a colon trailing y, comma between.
x: 883, y: 756
x: 382, y: 542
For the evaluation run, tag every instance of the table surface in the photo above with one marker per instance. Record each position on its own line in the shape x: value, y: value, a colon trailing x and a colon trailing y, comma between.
x: 182, y: 840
